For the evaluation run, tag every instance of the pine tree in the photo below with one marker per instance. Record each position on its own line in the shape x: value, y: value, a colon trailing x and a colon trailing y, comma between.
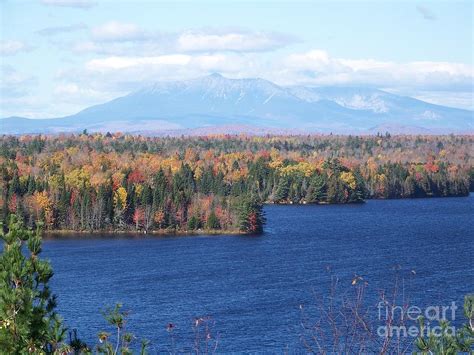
x: 282, y: 189
x: 28, y: 322
x: 194, y: 223
x: 251, y: 218
x: 213, y: 221
x: 335, y: 192
x: 316, y: 189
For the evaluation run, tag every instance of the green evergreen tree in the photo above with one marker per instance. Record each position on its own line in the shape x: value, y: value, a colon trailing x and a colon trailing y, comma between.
x: 194, y: 223
x: 213, y: 221
x: 28, y: 322
x: 282, y: 189
x: 316, y: 189
x: 251, y: 217
x: 335, y: 193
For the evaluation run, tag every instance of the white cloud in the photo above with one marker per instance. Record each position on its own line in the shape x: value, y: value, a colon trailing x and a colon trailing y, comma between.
x: 15, y: 92
x: 56, y: 30
x: 319, y: 68
x: 177, y: 66
x: 17, y: 98
x: 117, y: 75
x: 315, y: 60
x: 14, y: 83
x: 83, y: 4
x: 114, y: 63
x: 230, y: 64
x: 114, y: 48
x: 463, y: 100
x: 118, y: 31
x: 193, y: 41
x: 119, y: 38
x: 73, y: 93
x: 314, y: 68
x: 458, y: 99
x: 12, y: 47
x: 365, y: 64
x: 26, y: 106
x: 85, y: 47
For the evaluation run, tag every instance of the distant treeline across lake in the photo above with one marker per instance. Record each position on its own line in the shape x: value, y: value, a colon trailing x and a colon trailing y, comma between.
x: 116, y: 182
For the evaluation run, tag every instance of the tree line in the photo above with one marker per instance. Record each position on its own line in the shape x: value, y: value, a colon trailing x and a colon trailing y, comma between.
x: 186, y: 184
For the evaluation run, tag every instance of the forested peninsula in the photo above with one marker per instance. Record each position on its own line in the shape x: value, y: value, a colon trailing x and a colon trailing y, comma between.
x: 116, y: 182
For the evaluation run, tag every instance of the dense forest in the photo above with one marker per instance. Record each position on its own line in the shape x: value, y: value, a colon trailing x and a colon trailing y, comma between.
x: 113, y: 182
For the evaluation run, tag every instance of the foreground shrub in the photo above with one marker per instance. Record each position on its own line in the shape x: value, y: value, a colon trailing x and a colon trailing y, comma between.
x: 448, y: 342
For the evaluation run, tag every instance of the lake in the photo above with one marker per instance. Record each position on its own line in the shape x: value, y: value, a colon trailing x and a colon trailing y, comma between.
x: 252, y: 286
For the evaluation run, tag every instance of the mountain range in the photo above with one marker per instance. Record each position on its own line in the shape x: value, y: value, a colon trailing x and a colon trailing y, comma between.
x: 215, y: 104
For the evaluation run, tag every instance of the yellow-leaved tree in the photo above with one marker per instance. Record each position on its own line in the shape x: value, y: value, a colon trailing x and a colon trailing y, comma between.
x: 349, y: 179
x: 120, y: 203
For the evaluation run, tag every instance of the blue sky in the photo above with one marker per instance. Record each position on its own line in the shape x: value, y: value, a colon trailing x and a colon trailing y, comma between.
x: 60, y: 56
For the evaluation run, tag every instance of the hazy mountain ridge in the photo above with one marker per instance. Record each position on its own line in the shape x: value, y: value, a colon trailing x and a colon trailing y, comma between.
x: 212, y: 103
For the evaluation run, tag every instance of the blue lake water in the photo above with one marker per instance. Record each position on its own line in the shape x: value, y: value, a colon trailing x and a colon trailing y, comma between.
x: 252, y: 286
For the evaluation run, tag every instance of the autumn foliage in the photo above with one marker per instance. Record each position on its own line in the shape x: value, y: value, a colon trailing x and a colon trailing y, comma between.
x: 124, y: 182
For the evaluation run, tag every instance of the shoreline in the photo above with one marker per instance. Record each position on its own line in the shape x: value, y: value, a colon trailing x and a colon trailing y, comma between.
x: 51, y: 234
x: 325, y: 203
x: 67, y: 232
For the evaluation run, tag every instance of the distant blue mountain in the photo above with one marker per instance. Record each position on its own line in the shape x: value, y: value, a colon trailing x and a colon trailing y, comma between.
x: 212, y: 103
